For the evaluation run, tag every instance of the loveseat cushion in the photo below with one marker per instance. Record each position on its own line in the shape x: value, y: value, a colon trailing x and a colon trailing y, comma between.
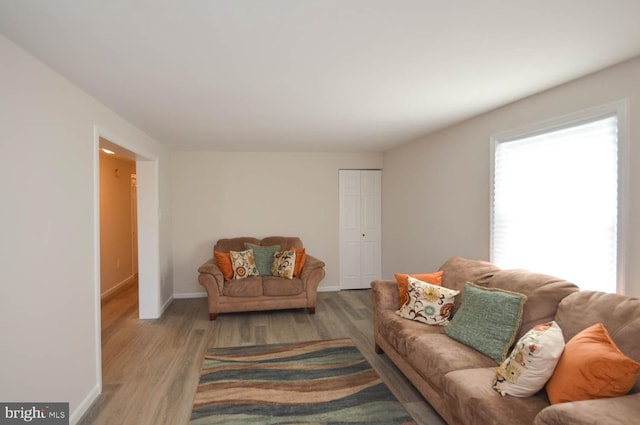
x: 469, y: 394
x: 278, y: 286
x: 235, y: 244
x: 285, y: 242
x: 248, y: 287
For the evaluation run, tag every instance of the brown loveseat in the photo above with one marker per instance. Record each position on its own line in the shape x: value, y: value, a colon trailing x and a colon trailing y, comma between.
x: 260, y: 292
x: 457, y: 380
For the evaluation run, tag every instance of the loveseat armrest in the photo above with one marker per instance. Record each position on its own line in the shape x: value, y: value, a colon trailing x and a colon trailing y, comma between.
x: 311, y: 263
x: 311, y: 275
x: 615, y: 410
x: 210, y: 276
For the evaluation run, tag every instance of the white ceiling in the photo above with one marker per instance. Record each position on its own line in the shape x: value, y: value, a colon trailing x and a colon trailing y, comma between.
x: 316, y: 75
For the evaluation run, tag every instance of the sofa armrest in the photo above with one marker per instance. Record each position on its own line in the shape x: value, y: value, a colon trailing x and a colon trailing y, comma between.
x: 615, y: 410
x: 384, y: 295
x: 210, y: 276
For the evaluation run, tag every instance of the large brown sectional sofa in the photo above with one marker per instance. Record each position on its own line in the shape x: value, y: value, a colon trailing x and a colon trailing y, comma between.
x: 260, y: 292
x: 458, y: 381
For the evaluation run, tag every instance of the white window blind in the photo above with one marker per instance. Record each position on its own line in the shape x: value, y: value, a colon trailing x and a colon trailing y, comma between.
x: 555, y: 203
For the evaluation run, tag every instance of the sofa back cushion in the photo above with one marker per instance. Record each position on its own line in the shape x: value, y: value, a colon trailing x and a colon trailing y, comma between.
x: 543, y: 292
x: 619, y: 314
x: 458, y: 271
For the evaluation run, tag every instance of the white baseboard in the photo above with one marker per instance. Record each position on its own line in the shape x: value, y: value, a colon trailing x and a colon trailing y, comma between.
x: 185, y: 295
x: 322, y: 288
x: 190, y: 295
x: 83, y: 407
x: 117, y: 287
x: 166, y: 305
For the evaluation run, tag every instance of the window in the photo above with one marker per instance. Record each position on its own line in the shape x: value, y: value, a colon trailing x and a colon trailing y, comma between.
x: 555, y: 203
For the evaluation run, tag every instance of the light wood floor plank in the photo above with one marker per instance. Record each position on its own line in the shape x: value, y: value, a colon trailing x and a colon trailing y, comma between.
x: 150, y: 367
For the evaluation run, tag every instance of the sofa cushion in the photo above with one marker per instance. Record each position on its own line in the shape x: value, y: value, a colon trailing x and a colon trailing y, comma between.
x: 543, y: 292
x: 609, y: 411
x: 433, y: 355
x: 469, y: 394
x: 402, y: 280
x: 488, y: 320
x: 244, y: 265
x: 263, y: 255
x: 532, y: 361
x: 284, y: 264
x: 277, y: 286
x: 398, y: 331
x: 427, y: 303
x: 592, y: 367
x: 249, y: 287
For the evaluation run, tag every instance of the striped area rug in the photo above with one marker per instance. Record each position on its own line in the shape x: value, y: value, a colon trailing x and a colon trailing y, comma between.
x: 316, y: 382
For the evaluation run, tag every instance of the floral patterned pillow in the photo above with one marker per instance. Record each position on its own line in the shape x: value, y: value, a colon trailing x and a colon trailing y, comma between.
x: 532, y: 361
x: 244, y: 265
x: 427, y: 303
x: 284, y: 264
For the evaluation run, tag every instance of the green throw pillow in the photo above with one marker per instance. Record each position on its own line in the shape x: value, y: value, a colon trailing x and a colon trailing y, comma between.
x: 488, y: 320
x: 263, y: 256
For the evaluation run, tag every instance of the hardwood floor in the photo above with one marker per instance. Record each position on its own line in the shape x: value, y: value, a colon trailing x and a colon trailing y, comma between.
x: 150, y: 367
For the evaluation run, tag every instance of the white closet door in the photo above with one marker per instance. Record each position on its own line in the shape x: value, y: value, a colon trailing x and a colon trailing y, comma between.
x: 360, y: 228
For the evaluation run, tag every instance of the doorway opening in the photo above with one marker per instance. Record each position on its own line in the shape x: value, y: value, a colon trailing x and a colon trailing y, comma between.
x: 147, y: 223
x: 118, y: 239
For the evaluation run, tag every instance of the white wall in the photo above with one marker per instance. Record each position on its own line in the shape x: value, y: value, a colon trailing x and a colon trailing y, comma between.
x: 223, y: 194
x: 48, y: 274
x: 443, y: 207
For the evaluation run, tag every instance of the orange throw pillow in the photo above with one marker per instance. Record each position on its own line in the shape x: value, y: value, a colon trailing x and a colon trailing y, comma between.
x: 301, y: 257
x: 223, y: 260
x: 592, y: 367
x: 434, y: 278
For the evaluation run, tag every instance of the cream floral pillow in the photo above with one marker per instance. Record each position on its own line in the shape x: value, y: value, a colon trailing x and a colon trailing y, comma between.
x: 427, y: 303
x: 283, y: 264
x: 244, y: 265
x: 532, y: 361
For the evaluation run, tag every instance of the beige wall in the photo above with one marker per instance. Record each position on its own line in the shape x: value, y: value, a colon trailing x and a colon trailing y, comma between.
x: 436, y: 190
x: 222, y: 194
x: 49, y: 273
x: 116, y: 227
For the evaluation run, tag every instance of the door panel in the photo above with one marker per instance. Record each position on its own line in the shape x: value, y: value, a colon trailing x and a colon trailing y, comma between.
x: 360, y: 228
